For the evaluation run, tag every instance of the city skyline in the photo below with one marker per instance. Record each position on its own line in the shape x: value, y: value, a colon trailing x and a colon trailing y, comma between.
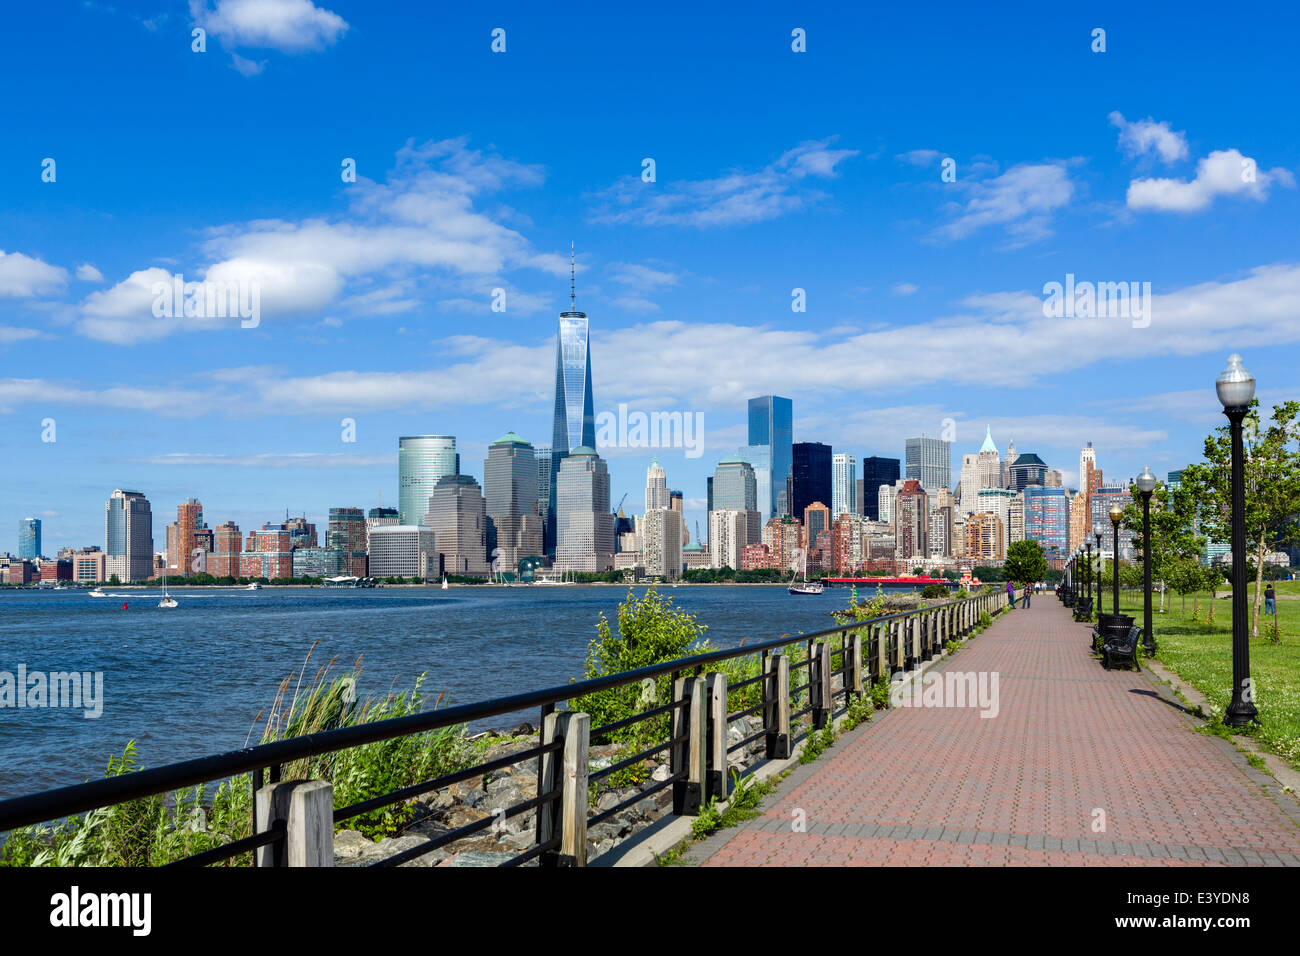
x: 923, y: 298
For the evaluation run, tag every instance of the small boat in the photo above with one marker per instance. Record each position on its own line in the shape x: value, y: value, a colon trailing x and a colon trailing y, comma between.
x: 807, y: 587
x: 167, y: 600
x: 444, y: 582
x: 96, y: 592
x: 254, y: 586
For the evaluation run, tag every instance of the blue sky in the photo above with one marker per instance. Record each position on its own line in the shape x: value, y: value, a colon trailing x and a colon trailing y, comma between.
x: 775, y: 170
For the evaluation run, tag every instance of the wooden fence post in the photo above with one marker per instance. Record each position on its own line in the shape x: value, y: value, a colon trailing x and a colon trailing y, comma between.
x: 688, y: 721
x: 853, y: 681
x: 716, y: 732
x: 776, y: 715
x: 819, y: 689
x: 566, y: 770
x: 307, y: 809
x: 882, y: 652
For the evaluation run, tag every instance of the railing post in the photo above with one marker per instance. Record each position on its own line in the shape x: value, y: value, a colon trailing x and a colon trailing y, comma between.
x: 688, y: 721
x: 565, y: 769
x: 819, y: 690
x: 882, y: 652
x: 716, y: 733
x: 307, y: 809
x: 896, y: 634
x: 776, y: 714
x: 853, y: 679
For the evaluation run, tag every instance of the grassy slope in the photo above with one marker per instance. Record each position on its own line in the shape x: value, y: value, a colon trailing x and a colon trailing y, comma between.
x: 1202, y: 655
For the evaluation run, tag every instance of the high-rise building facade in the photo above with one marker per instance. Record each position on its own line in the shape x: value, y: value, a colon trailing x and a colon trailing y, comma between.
x: 984, y: 538
x: 929, y: 462
x: 457, y: 515
x: 584, y: 524
x: 730, y: 532
x: 911, y: 522
x: 128, y: 533
x: 771, y: 426
x: 1027, y: 469
x: 189, y: 519
x: 573, y: 423
x: 816, y: 519
x: 510, y: 476
x: 988, y: 465
x: 403, y: 551
x: 347, y: 532
x: 1047, y: 520
x: 997, y: 501
x: 877, y: 471
x: 844, y: 484
x: 656, y: 487
x: 810, y: 474
x: 661, y: 543
x: 1102, y: 500
x: 422, y: 461
x: 227, y: 545
x: 29, y: 538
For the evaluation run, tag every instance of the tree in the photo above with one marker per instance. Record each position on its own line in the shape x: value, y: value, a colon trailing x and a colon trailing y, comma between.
x: 1185, y: 576
x: 1272, y: 473
x: 1025, y: 562
x: 1173, y: 523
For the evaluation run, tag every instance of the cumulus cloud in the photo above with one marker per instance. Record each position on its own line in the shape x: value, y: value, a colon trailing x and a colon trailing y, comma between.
x: 88, y: 273
x: 1225, y: 172
x: 421, y: 227
x: 22, y: 277
x: 1021, y: 201
x: 290, y: 26
x: 1147, y: 136
x: 735, y: 198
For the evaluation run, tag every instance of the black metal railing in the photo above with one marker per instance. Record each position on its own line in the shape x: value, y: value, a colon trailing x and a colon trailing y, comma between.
x: 834, y: 666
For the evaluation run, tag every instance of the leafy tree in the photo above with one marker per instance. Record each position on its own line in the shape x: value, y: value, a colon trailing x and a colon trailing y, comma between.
x: 1025, y: 562
x: 1272, y: 473
x: 1185, y: 576
x: 113, y: 581
x: 1173, y: 524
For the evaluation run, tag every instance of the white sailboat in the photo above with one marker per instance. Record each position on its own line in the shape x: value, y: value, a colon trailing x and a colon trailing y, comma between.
x: 444, y: 582
x: 167, y: 599
x: 805, y: 586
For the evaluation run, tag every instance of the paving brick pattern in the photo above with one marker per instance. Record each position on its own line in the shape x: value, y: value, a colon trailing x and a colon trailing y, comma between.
x: 944, y: 786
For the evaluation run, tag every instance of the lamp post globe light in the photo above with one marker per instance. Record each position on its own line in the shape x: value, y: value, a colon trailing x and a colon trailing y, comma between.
x: 1116, y: 516
x: 1146, y: 483
x: 1087, y: 576
x: 1236, y: 388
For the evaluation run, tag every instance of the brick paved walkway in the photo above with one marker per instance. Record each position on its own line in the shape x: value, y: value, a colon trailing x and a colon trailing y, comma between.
x: 931, y: 786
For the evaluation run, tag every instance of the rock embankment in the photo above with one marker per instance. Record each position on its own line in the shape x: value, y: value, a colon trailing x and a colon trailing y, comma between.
x: 487, y: 795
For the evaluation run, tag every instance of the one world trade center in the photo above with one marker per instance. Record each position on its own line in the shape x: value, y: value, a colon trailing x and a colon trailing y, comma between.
x: 574, y: 423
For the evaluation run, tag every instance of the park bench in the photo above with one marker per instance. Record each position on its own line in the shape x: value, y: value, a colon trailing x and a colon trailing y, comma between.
x: 1122, y: 649
x: 1083, y: 609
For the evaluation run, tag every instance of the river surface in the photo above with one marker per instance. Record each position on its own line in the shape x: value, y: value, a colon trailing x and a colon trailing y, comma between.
x: 190, y: 681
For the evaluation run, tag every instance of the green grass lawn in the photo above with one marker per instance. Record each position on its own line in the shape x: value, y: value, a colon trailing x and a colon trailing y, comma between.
x: 1201, y: 654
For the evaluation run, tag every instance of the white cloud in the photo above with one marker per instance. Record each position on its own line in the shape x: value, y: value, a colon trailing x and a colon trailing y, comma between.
x: 22, y: 277
x: 905, y: 288
x: 921, y: 157
x: 291, y: 26
x: 418, y: 229
x: 247, y: 67
x: 171, y: 402
x: 1146, y: 136
x: 88, y: 273
x: 279, y: 460
x: 1225, y: 172
x: 10, y: 334
x: 735, y: 198
x: 1021, y: 200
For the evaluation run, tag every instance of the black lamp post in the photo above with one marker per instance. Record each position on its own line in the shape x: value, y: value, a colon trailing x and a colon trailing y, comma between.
x: 1146, y: 483
x: 1096, y: 529
x: 1236, y: 388
x: 1087, y: 577
x: 1116, y: 516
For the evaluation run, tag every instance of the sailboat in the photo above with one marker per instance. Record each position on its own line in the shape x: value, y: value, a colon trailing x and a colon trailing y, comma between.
x: 167, y: 599
x: 805, y: 586
x: 444, y: 582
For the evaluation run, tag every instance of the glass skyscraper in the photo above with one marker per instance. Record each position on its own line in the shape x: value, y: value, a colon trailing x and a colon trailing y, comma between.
x: 811, y: 469
x: 1047, y: 520
x: 29, y: 538
x: 844, y: 485
x: 574, y: 422
x: 422, y: 460
x: 877, y: 471
x: 929, y: 461
x: 771, y: 426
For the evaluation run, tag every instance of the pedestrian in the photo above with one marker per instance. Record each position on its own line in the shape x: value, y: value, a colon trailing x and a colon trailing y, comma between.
x: 1011, y: 594
x: 1270, y: 600
x: 1029, y: 591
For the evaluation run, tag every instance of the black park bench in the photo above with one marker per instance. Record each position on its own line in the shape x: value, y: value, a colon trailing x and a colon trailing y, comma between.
x: 1117, y: 649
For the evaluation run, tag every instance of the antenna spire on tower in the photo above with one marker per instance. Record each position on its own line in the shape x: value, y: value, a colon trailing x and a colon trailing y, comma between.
x: 573, y: 295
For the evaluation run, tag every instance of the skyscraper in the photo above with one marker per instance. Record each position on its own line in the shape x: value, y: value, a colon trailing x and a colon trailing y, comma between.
x: 347, y: 533
x: 1025, y: 470
x: 989, y: 472
x: 911, y: 523
x: 510, y: 476
x: 128, y: 534
x: 29, y: 538
x: 1047, y: 521
x: 573, y: 423
x: 877, y: 471
x: 584, y: 524
x: 457, y: 515
x: 929, y: 461
x: 844, y: 484
x: 771, y: 426
x: 811, y: 473
x: 422, y: 461
x: 656, y: 487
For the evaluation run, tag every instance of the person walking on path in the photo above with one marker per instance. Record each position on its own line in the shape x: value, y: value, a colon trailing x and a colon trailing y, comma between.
x: 1011, y: 594
x: 1270, y: 600
x: 1029, y: 592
